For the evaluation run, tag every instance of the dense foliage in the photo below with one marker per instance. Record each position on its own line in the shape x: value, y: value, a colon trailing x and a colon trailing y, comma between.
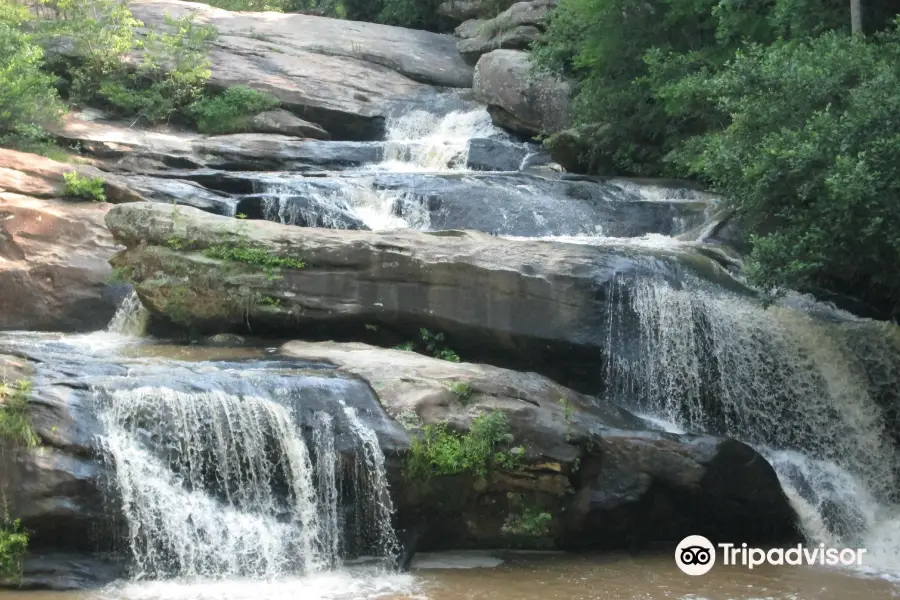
x: 773, y: 103
x: 810, y: 159
x: 29, y: 99
x: 230, y: 111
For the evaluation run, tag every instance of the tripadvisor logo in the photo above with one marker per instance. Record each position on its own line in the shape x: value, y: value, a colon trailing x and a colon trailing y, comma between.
x: 696, y: 555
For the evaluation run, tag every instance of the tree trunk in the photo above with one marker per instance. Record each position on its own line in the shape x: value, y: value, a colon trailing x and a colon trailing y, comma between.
x: 856, y: 17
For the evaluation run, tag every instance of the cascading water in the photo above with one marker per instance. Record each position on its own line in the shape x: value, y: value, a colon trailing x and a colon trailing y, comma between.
x: 417, y: 142
x: 217, y: 484
x: 425, y: 141
x: 130, y: 318
x: 808, y: 385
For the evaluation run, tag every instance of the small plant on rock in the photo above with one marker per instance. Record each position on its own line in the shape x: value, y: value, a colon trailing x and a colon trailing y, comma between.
x: 15, y: 426
x: 531, y: 521
x: 439, y: 451
x: 88, y: 188
x: 433, y: 346
x: 463, y: 390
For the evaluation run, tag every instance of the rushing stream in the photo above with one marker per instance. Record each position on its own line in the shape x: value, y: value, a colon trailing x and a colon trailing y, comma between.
x: 196, y: 461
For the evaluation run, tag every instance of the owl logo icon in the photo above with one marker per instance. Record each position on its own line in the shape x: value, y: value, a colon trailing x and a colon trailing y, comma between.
x: 695, y: 555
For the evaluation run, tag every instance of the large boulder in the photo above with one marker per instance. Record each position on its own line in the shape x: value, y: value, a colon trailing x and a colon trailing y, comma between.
x: 599, y: 473
x: 520, y: 99
x: 464, y: 10
x: 54, y: 252
x: 345, y: 76
x: 54, y: 265
x: 539, y: 305
x: 516, y: 28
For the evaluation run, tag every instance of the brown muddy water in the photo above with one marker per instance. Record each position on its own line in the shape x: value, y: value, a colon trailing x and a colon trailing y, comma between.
x: 518, y: 576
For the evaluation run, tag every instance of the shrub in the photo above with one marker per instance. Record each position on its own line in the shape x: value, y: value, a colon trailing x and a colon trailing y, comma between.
x: 229, y: 111
x: 13, y: 545
x: 463, y: 391
x: 252, y: 256
x: 527, y: 520
x: 88, y: 188
x: 439, y: 451
x: 150, y: 76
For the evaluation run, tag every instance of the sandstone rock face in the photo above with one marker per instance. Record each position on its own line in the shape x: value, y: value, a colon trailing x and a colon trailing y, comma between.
x: 516, y: 28
x: 54, y: 253
x: 607, y: 481
x: 518, y: 99
x: 55, y: 272
x: 37, y: 176
x: 528, y: 303
x: 345, y: 76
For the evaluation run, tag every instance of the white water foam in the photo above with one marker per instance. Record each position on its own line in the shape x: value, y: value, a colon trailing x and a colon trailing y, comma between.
x: 417, y: 142
x: 345, y: 584
x: 379, y: 210
x: 423, y: 141
x: 130, y: 319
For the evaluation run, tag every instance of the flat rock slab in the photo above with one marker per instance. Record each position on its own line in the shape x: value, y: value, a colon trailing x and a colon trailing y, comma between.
x: 130, y: 149
x: 346, y: 76
x: 528, y: 302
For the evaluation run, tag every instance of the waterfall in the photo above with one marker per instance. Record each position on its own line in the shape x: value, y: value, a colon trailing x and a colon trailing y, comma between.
x: 423, y: 141
x: 808, y: 385
x: 417, y: 141
x: 372, y: 470
x: 354, y: 201
x: 130, y: 318
x: 217, y: 484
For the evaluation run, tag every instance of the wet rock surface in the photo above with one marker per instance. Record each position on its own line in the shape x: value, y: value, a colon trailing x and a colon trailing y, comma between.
x: 123, y: 148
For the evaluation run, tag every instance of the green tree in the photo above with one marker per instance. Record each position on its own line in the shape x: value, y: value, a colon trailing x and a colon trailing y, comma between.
x: 809, y: 158
x: 28, y: 98
x: 620, y: 51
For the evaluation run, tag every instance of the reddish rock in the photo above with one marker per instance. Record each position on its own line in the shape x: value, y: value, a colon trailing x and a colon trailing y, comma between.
x: 54, y: 270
